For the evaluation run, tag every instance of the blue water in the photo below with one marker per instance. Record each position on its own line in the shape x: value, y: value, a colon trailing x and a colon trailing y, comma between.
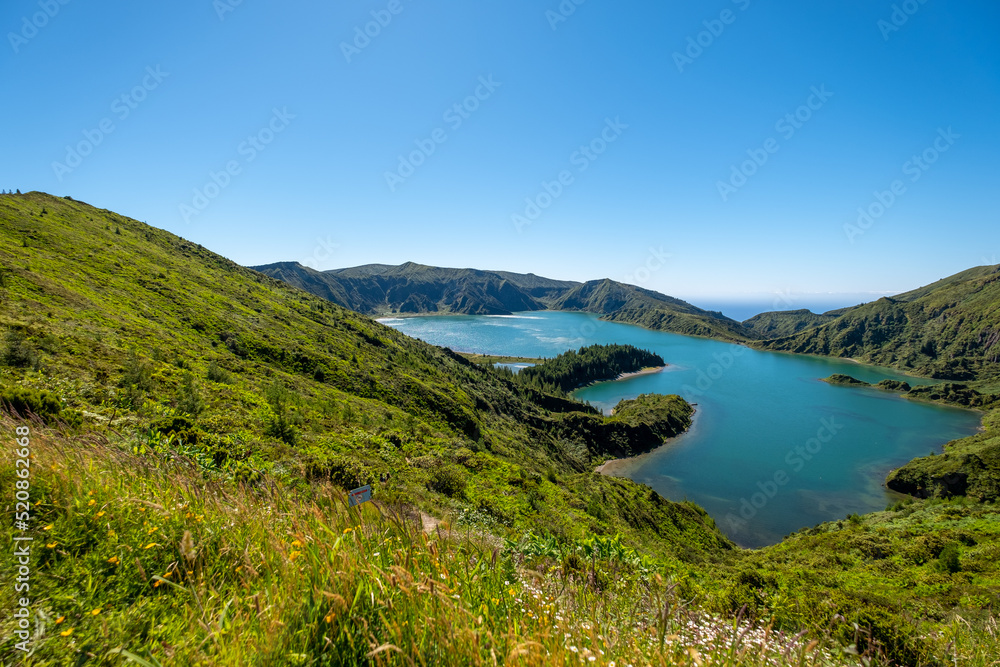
x: 773, y: 449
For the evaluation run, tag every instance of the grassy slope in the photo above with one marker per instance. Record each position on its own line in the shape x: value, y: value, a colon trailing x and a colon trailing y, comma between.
x: 948, y: 330
x: 784, y: 323
x: 144, y: 558
x: 269, y: 582
x: 617, y: 302
x: 316, y: 392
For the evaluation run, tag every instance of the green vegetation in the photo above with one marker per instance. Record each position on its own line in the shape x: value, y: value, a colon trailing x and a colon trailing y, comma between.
x: 967, y: 467
x: 492, y: 359
x: 784, y: 323
x: 204, y: 421
x: 144, y: 333
x: 949, y: 330
x: 378, y: 289
x: 846, y: 381
x: 946, y: 392
x: 595, y: 363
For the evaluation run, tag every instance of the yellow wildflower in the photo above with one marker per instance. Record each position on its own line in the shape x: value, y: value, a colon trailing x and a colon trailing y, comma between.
x: 52, y: 545
x: 66, y: 633
x: 49, y: 527
x: 91, y: 503
x: 294, y: 555
x: 100, y: 514
x: 151, y: 545
x: 60, y: 620
x: 296, y: 543
x: 96, y: 612
x: 114, y: 560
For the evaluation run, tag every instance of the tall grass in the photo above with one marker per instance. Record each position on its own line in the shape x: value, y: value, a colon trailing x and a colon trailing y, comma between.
x: 142, y: 560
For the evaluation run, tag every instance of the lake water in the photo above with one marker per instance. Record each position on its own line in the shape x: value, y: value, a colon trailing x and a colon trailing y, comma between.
x: 773, y: 449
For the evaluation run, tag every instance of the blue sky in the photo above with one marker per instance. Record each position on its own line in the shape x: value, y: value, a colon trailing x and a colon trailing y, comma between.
x: 642, y: 109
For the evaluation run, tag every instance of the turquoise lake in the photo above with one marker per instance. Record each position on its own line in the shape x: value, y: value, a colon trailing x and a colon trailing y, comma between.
x: 772, y: 449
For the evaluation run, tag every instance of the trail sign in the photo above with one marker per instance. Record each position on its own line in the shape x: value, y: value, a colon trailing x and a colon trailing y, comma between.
x: 358, y: 496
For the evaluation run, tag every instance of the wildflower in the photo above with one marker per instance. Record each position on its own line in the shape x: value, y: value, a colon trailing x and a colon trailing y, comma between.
x: 100, y: 514
x: 52, y: 545
x: 49, y: 527
x: 238, y: 569
x: 347, y: 530
x: 151, y: 545
x: 96, y: 612
x: 66, y: 633
x: 114, y: 560
x: 296, y: 543
x: 91, y: 503
x: 328, y: 618
x: 496, y: 601
x: 60, y: 620
x: 294, y: 555
x: 152, y: 530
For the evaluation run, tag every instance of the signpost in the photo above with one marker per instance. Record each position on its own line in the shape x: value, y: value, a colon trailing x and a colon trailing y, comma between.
x: 361, y: 495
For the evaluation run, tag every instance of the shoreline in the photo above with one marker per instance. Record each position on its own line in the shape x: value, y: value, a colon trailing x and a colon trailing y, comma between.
x: 645, y: 371
x: 607, y: 468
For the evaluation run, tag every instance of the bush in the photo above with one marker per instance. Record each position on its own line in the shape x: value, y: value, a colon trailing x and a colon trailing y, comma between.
x: 180, y: 427
x: 189, y: 398
x: 24, y: 400
x: 448, y: 479
x: 948, y: 560
x: 18, y: 351
x: 217, y: 373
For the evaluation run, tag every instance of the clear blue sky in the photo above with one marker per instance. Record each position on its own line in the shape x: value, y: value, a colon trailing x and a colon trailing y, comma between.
x: 322, y: 177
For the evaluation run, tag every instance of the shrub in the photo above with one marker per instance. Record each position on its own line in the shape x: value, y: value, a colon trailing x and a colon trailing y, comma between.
x: 217, y: 373
x: 189, y: 398
x: 18, y: 351
x: 948, y: 559
x: 24, y: 400
x: 448, y: 479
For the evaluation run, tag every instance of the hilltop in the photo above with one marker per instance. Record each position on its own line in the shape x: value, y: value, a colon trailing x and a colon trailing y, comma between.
x: 948, y: 330
x: 415, y: 289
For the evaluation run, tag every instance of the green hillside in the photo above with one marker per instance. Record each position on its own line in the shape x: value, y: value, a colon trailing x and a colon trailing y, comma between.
x: 411, y: 289
x: 134, y: 329
x: 633, y: 305
x: 948, y: 330
x: 784, y: 323
x: 196, y: 425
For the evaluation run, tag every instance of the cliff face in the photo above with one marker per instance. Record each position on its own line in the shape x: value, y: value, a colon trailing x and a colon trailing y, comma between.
x: 378, y: 289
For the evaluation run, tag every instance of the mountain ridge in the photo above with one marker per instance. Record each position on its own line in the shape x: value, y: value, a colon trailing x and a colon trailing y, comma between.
x: 414, y: 289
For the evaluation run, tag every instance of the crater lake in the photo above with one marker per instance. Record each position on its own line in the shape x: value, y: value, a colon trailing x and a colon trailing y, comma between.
x: 773, y: 449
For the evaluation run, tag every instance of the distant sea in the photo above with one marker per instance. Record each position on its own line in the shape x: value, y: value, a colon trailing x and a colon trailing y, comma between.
x: 744, y: 310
